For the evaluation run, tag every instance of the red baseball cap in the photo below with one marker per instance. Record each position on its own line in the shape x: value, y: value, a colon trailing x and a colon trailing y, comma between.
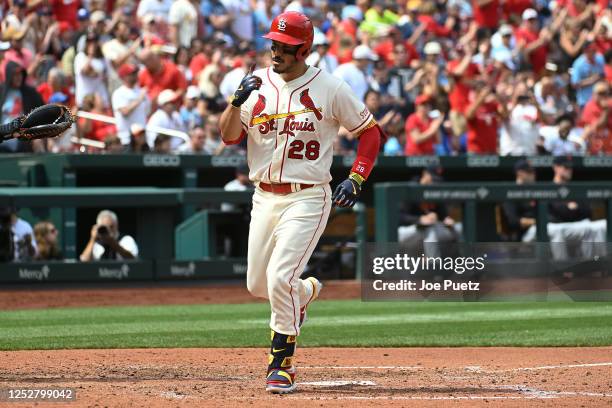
x: 64, y: 26
x: 127, y: 69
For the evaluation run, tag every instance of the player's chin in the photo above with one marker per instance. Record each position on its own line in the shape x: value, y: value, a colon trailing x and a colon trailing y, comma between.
x: 279, y: 68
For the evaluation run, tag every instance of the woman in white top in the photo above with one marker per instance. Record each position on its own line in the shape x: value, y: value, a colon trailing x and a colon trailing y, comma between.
x: 90, y: 72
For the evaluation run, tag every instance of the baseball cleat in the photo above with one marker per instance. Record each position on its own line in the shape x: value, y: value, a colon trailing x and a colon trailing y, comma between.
x: 316, y: 289
x: 281, y: 381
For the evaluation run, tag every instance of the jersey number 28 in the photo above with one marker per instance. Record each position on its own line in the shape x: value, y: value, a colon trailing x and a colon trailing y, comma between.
x: 297, y: 147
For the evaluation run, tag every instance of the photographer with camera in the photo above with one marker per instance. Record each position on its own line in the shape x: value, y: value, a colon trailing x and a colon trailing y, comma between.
x: 105, y: 241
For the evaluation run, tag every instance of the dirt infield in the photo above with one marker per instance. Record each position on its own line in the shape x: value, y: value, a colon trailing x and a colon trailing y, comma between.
x: 465, y: 377
x: 38, y: 297
x: 547, y: 377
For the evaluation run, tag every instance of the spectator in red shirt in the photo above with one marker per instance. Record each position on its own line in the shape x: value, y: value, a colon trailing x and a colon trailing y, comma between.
x: 159, y: 74
x: 597, y: 120
x: 385, y: 49
x: 56, y: 82
x: 603, y: 35
x: 199, y: 60
x: 463, y: 72
x: 486, y: 13
x: 422, y: 128
x: 428, y: 9
x: 483, y: 119
x: 66, y: 10
x: 343, y: 34
x: 533, y: 42
x: 513, y: 9
x: 95, y: 129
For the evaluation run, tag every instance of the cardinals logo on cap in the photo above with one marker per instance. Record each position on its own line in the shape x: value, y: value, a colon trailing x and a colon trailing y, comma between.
x: 282, y: 25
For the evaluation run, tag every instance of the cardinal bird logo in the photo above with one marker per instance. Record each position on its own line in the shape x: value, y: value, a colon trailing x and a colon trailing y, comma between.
x: 260, y: 105
x: 268, y: 122
x: 306, y: 100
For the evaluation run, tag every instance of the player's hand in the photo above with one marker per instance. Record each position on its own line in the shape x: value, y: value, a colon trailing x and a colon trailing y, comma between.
x: 248, y: 84
x: 346, y: 193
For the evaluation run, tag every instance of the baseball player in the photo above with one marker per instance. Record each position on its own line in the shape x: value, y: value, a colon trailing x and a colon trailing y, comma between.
x: 290, y: 113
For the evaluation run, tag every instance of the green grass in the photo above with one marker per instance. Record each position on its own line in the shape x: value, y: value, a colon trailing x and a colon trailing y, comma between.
x: 332, y: 323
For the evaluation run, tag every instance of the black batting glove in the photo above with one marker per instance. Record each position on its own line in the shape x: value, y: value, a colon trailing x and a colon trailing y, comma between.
x: 248, y: 84
x: 348, y: 191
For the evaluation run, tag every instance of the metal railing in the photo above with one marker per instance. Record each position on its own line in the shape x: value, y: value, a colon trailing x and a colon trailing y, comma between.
x: 111, y: 120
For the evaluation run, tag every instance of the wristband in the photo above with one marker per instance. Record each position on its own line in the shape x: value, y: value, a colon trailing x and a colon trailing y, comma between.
x: 356, y: 178
x: 362, y: 167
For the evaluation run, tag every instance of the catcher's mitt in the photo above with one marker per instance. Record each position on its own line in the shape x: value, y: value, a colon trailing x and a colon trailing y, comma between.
x: 45, y: 121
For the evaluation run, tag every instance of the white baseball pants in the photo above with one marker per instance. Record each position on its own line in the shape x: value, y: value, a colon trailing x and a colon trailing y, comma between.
x: 284, y: 232
x: 585, y: 233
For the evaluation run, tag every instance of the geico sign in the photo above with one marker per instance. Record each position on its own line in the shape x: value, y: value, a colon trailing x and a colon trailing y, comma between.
x: 155, y: 160
x: 227, y: 161
x: 422, y: 161
x: 483, y: 161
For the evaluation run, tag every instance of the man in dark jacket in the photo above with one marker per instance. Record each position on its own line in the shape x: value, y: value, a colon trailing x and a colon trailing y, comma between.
x: 520, y: 215
x: 427, y: 222
x: 16, y: 99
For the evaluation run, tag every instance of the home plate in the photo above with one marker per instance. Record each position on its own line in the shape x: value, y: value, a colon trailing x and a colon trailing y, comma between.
x: 336, y: 383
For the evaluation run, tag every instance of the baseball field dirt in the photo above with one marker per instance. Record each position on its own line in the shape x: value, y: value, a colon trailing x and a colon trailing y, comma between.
x: 546, y: 377
x: 465, y: 377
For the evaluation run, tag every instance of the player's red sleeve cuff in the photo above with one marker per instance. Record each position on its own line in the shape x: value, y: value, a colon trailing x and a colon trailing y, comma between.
x: 236, y: 141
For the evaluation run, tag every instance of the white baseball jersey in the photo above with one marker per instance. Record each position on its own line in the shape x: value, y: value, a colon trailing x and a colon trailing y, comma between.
x: 291, y: 126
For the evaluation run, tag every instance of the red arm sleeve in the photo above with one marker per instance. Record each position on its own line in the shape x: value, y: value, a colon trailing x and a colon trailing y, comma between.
x: 243, y: 134
x: 367, y: 150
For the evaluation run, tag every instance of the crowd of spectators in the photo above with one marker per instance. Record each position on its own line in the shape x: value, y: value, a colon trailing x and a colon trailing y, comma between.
x: 444, y: 77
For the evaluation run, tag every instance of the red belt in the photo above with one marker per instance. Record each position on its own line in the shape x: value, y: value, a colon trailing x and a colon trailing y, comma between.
x: 283, y: 188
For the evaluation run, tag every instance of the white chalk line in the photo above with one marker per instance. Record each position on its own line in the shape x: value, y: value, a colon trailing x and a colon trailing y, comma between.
x: 361, y: 367
x: 527, y: 393
x: 338, y: 383
x: 553, y: 367
x: 552, y: 394
x: 478, y: 369
x: 172, y: 395
x: 425, y: 398
x: 475, y: 369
